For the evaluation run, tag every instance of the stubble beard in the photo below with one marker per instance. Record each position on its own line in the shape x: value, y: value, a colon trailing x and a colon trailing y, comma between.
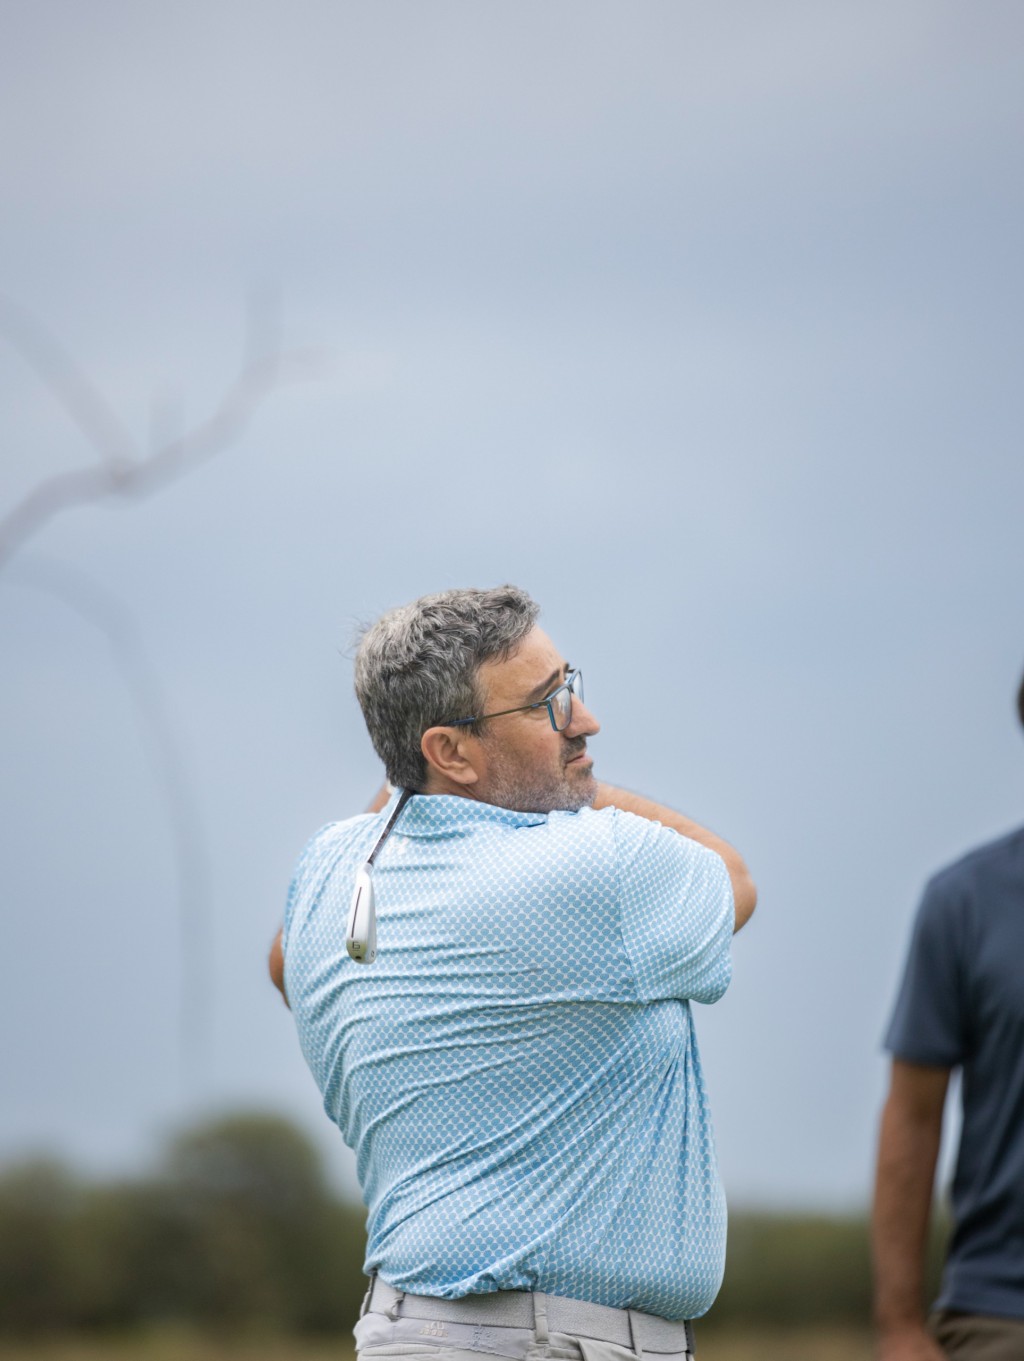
x: 526, y: 792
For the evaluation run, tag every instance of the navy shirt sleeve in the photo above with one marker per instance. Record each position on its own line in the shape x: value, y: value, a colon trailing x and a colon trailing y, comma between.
x: 929, y: 1022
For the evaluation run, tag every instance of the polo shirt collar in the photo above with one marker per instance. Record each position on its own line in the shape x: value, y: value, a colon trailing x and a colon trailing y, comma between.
x: 428, y: 814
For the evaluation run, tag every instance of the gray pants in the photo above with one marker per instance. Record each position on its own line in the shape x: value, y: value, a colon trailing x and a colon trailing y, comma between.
x: 978, y: 1337
x: 516, y: 1325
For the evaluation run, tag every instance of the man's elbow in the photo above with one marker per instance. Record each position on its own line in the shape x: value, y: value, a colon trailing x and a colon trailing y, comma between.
x: 276, y: 966
x: 744, y: 894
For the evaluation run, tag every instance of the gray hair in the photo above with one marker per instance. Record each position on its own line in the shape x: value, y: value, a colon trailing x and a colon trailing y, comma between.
x: 416, y: 668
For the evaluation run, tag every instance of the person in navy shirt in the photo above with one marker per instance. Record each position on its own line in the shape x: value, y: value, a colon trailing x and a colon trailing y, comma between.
x: 960, y: 1007
x: 517, y: 1071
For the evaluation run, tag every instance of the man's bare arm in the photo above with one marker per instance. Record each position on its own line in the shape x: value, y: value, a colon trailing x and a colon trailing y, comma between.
x: 276, y: 961
x: 908, y: 1149
x: 743, y: 890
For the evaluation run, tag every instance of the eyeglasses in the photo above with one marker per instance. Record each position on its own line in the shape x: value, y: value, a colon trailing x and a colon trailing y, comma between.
x: 558, y: 705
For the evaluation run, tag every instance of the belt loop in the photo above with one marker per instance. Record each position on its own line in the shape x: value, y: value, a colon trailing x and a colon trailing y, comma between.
x: 691, y: 1341
x: 393, y: 1308
x: 634, y: 1334
x: 540, y: 1317
x: 364, y: 1307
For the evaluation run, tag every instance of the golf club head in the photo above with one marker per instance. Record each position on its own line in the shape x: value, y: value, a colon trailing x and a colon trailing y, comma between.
x: 361, y: 931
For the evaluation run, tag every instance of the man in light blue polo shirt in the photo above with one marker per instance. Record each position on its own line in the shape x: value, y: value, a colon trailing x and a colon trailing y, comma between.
x: 517, y: 1070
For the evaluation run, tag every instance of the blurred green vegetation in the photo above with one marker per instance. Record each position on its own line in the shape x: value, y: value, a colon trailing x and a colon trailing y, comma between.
x: 237, y: 1230
x: 804, y: 1270
x: 766, y: 1344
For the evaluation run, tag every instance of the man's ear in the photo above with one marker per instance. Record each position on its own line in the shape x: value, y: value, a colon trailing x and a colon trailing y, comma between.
x: 448, y: 753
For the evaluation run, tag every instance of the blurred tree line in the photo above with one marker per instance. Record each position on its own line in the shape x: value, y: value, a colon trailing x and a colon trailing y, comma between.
x: 239, y: 1229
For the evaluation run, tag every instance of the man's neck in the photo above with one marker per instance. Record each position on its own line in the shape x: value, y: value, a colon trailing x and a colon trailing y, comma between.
x: 440, y: 784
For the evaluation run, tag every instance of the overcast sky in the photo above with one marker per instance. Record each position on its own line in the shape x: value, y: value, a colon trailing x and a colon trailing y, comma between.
x: 701, y: 321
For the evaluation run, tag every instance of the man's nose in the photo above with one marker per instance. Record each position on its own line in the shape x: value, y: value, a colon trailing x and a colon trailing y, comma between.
x: 583, y: 723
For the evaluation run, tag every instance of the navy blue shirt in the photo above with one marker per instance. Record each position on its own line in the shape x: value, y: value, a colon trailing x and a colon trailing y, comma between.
x: 961, y: 1004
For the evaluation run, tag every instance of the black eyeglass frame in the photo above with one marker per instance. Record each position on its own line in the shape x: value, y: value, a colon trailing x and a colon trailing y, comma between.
x: 573, y: 683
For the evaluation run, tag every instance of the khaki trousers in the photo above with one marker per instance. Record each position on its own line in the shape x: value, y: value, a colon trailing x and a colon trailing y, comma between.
x: 516, y: 1326
x: 978, y: 1337
x: 559, y: 1347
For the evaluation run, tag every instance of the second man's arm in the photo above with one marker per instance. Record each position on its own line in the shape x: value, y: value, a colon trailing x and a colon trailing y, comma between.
x: 908, y: 1149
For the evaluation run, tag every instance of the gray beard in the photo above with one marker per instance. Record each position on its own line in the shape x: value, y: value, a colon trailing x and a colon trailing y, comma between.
x: 566, y: 795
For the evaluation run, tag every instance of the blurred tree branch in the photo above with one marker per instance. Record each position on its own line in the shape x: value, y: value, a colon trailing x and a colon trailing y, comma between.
x: 123, y: 468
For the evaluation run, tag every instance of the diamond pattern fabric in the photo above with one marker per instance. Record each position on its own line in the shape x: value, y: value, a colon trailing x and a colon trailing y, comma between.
x: 518, y: 1072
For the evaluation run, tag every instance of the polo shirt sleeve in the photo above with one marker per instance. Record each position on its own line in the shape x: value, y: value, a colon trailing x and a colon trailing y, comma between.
x: 677, y: 912
x: 929, y: 1021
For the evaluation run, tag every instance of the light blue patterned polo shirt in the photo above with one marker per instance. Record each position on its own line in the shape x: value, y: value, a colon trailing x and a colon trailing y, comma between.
x: 518, y: 1072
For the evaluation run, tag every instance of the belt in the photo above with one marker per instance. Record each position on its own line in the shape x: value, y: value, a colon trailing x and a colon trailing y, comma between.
x: 627, y: 1328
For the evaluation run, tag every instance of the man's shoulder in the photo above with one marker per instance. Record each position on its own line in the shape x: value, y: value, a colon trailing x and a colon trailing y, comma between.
x: 599, y: 824
x: 626, y: 837
x: 978, y: 867
x: 332, y: 838
x: 590, y: 830
x: 342, y: 830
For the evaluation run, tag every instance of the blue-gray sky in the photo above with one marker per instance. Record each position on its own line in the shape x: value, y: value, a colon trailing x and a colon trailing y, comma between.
x: 701, y: 321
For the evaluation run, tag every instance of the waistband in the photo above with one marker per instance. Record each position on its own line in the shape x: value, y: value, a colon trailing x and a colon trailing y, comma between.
x: 523, y: 1309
